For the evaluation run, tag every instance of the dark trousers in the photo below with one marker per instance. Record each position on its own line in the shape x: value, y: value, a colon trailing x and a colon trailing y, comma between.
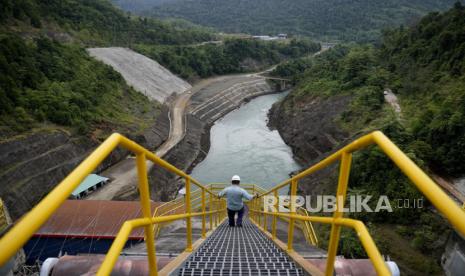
x: 232, y: 214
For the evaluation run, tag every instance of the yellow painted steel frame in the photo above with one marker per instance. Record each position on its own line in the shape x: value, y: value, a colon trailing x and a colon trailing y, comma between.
x: 14, y: 239
x: 453, y: 212
x: 305, y: 226
x: 198, y: 202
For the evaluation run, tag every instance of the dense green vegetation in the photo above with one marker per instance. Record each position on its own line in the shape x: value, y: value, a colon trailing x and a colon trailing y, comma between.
x: 424, y: 65
x: 138, y: 5
x: 45, y: 81
x: 360, y: 20
x: 97, y: 22
x: 46, y: 76
x: 428, y: 64
x: 232, y: 56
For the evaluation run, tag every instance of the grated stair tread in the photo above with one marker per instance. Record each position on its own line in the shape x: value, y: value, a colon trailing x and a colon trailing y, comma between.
x: 239, y: 251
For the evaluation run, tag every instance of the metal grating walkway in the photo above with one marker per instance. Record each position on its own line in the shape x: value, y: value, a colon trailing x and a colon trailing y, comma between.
x: 239, y: 251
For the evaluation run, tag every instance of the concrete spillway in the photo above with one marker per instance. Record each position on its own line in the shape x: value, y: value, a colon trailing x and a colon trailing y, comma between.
x: 144, y: 74
x: 211, y: 103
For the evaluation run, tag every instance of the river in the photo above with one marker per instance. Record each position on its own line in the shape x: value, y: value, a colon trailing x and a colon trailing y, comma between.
x: 241, y: 143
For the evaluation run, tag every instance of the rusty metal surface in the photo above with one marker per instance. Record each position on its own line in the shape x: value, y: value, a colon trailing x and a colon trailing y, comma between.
x: 348, y: 266
x: 92, y: 218
x: 88, y: 265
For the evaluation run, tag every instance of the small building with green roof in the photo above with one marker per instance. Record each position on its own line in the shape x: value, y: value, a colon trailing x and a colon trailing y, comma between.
x: 91, y: 183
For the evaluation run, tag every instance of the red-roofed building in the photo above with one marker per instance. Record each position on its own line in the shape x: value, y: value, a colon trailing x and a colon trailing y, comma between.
x: 84, y: 227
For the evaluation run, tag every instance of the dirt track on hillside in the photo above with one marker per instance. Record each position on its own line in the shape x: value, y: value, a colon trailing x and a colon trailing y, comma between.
x: 124, y: 174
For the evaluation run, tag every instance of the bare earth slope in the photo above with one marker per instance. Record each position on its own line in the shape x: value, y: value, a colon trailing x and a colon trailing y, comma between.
x: 145, y: 75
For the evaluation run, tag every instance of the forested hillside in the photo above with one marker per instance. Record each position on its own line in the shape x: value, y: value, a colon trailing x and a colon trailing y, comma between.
x: 138, y: 5
x: 360, y: 20
x: 47, y: 79
x: 93, y: 22
x: 424, y: 65
x: 232, y: 56
x: 44, y: 81
x: 46, y: 76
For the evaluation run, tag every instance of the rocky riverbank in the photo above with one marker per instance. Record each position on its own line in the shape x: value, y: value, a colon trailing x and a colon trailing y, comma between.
x: 310, y: 128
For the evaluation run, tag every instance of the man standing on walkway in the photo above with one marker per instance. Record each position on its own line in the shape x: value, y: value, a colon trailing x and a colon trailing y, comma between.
x: 234, y: 196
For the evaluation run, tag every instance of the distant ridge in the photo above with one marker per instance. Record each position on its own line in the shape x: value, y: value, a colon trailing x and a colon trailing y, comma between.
x: 354, y: 20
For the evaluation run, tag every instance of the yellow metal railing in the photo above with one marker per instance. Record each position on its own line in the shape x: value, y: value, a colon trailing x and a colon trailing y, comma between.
x: 32, y: 221
x: 177, y: 205
x: 305, y: 226
x: 203, y: 202
x: 432, y: 192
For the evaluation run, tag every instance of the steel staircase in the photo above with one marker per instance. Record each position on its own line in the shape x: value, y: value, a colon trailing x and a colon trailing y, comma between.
x: 239, y: 251
x: 250, y: 250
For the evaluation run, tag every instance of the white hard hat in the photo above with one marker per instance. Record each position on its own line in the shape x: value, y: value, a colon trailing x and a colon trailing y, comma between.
x: 236, y: 178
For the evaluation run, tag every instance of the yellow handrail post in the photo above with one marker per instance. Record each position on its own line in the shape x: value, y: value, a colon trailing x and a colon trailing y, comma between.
x: 259, y: 215
x: 254, y: 208
x: 254, y: 214
x: 265, y: 225
x: 188, y: 219
x: 273, y: 227
x: 217, y: 215
x: 225, y: 208
x: 257, y: 207
x: 251, y: 210
x: 253, y: 202
x: 290, y: 234
x: 210, y: 208
x: 341, y: 194
x: 220, y: 214
x: 146, y: 210
x: 203, y: 216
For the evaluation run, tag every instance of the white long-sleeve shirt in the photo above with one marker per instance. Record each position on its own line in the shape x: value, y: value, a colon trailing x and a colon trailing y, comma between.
x: 234, y: 196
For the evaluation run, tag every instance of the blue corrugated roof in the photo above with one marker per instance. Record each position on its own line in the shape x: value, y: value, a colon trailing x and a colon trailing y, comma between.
x: 90, y: 181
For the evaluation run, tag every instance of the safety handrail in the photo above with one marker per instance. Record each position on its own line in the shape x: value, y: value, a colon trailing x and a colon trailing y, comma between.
x: 173, y: 206
x: 306, y: 226
x: 427, y: 187
x: 14, y: 239
x: 308, y: 229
